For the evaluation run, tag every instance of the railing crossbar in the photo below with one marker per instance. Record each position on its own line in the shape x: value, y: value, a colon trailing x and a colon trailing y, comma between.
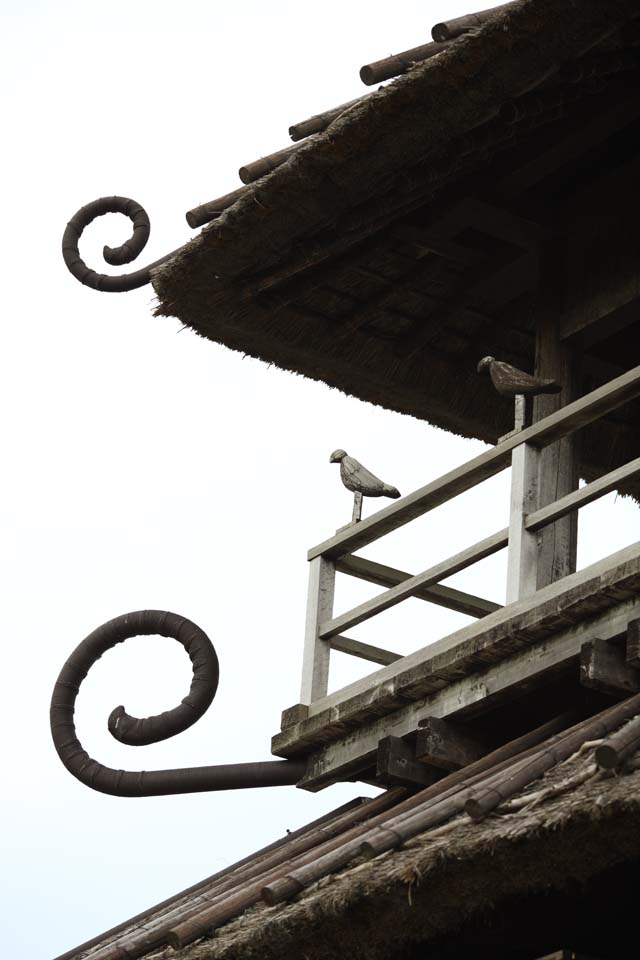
x: 408, y: 588
x: 365, y: 651
x: 385, y: 576
x: 580, y: 498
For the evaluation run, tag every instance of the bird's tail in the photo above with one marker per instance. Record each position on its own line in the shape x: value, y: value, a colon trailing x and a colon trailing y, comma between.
x: 391, y: 492
x: 550, y: 386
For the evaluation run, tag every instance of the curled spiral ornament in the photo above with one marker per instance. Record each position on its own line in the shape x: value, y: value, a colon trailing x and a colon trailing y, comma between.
x: 137, y: 732
x: 115, y: 256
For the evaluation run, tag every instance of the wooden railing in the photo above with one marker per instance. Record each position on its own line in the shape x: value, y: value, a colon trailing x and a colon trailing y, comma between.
x: 520, y: 450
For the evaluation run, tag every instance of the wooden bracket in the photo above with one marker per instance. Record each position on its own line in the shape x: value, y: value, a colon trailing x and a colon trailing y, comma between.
x: 633, y: 643
x: 446, y: 744
x: 397, y: 766
x: 603, y: 667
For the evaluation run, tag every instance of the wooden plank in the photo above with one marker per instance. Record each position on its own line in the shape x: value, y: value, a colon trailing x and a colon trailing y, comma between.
x: 447, y: 744
x: 589, y: 330
x: 368, y: 609
x: 396, y: 765
x: 506, y: 226
x: 465, y: 699
x: 603, y: 667
x: 580, y: 498
x: 575, y: 415
x: 365, y: 651
x: 386, y: 576
x: 315, y: 659
x: 522, y: 566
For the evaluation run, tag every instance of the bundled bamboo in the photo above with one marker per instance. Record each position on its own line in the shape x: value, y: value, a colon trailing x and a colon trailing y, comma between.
x: 398, y: 63
x: 596, y: 727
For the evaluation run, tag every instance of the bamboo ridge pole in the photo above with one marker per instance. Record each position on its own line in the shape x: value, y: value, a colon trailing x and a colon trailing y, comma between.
x: 450, y: 29
x: 209, y: 211
x: 320, y: 121
x: 399, y: 63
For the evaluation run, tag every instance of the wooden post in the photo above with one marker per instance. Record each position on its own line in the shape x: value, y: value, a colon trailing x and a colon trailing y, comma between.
x: 315, y: 661
x: 559, y: 462
x: 522, y: 563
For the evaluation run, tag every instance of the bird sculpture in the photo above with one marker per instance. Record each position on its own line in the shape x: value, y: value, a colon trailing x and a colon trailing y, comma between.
x: 360, y: 481
x: 511, y: 382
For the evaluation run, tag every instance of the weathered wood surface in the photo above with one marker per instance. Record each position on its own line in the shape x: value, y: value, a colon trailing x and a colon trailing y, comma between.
x: 368, y: 609
x: 396, y: 765
x: 603, y: 667
x: 340, y: 750
x: 316, y: 654
x: 386, y: 576
x: 365, y: 651
x: 575, y: 415
x: 447, y: 744
x: 564, y: 605
x: 633, y: 643
x: 398, y: 63
x: 522, y: 565
x: 559, y: 462
x: 580, y: 498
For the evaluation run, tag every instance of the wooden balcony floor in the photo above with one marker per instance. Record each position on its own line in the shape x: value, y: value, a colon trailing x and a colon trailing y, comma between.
x: 468, y: 671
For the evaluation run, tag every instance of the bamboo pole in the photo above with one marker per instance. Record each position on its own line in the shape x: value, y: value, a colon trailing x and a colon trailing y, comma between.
x: 320, y: 121
x: 619, y: 746
x: 398, y: 63
x: 450, y: 29
x: 209, y: 211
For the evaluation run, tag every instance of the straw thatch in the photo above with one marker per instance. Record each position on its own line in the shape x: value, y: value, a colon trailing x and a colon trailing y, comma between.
x: 365, y: 260
x: 559, y: 833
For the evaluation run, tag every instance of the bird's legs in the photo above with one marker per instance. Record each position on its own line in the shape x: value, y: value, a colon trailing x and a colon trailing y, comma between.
x: 357, y: 508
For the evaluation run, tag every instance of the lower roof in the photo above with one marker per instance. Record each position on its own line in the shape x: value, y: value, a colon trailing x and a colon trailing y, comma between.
x: 540, y: 820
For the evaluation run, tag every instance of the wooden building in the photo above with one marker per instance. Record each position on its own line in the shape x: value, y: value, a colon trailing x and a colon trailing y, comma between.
x: 482, y: 202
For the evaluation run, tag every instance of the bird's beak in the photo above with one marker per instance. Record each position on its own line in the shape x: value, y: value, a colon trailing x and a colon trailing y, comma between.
x: 333, y: 459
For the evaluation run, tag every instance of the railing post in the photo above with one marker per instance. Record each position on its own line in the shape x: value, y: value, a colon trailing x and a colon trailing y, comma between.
x: 315, y: 663
x: 522, y: 567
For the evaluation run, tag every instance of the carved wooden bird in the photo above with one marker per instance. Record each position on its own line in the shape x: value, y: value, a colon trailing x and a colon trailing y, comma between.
x: 509, y: 381
x: 358, y: 479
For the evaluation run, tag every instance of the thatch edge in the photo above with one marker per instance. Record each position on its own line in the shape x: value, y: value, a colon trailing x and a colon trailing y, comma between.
x: 415, y: 894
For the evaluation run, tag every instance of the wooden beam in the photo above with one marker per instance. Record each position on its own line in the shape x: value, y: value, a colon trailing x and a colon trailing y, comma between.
x: 588, y: 330
x: 447, y: 597
x: 559, y: 462
x: 578, y: 139
x: 447, y: 744
x: 501, y: 223
x: 580, y: 498
x: 396, y: 765
x: 368, y: 609
x: 488, y: 464
x: 603, y: 667
x: 365, y: 651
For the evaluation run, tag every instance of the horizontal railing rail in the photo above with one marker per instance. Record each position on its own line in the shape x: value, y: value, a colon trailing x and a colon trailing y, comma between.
x: 519, y: 450
x: 564, y: 421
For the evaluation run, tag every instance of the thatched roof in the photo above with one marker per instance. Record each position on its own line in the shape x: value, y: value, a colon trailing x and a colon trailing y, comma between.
x: 573, y: 826
x: 386, y: 254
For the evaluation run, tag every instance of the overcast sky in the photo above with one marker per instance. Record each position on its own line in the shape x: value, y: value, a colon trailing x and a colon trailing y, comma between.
x: 145, y: 467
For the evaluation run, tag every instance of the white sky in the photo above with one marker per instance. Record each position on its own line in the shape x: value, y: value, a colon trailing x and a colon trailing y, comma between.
x: 144, y: 467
